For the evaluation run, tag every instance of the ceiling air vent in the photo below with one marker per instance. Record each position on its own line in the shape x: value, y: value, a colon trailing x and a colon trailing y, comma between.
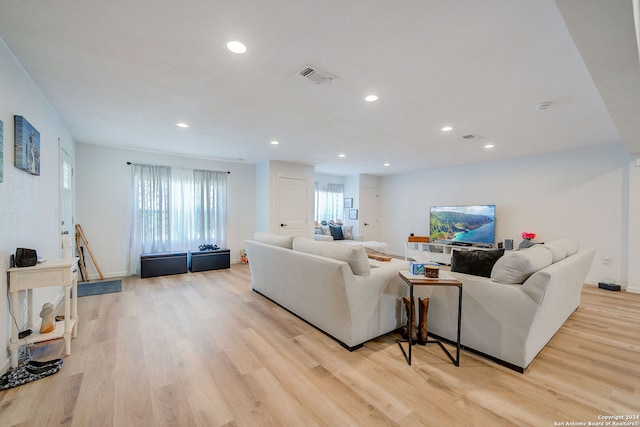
x: 316, y: 75
x: 472, y: 137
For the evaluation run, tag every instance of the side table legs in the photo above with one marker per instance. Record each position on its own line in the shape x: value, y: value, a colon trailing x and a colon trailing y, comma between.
x: 67, y: 320
x: 419, y: 334
x: 14, y: 345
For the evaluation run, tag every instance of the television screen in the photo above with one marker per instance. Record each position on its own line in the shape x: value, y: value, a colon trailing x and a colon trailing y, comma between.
x: 468, y: 224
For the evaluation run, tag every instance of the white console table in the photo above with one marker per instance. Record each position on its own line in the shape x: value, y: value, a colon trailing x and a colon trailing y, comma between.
x: 438, y: 252
x: 62, y: 272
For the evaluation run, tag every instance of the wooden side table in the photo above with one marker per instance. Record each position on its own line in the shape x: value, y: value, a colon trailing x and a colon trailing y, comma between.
x: 62, y: 272
x: 413, y: 280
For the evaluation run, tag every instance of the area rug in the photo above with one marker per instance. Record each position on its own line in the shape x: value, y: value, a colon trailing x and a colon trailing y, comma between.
x: 101, y: 287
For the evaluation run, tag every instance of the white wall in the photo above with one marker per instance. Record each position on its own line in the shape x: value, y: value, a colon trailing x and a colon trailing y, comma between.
x: 352, y: 190
x: 262, y: 197
x: 29, y: 214
x: 578, y: 193
x: 103, y: 189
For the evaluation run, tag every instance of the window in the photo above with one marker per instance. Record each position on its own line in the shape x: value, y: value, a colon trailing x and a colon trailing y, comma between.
x: 176, y: 210
x: 329, y: 202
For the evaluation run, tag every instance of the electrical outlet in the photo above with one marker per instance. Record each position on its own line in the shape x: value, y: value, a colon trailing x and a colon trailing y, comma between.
x: 606, y: 260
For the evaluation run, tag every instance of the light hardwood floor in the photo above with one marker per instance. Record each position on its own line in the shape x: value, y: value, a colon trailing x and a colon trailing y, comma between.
x: 203, y: 349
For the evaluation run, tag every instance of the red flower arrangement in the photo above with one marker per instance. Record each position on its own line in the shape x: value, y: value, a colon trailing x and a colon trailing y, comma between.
x: 527, y: 235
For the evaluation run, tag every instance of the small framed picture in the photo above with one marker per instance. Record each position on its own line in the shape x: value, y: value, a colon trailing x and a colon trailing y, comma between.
x: 27, y: 146
x: 353, y: 213
x: 348, y: 203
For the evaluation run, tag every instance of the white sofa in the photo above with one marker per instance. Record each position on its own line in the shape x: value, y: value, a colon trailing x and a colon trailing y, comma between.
x: 354, y: 299
x: 335, y: 287
x: 510, y: 316
x: 346, y: 237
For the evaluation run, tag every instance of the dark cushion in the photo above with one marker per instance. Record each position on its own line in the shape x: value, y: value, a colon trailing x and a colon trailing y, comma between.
x: 478, y: 263
x: 336, y: 232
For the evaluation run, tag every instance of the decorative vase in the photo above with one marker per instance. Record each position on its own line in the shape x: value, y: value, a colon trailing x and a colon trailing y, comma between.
x: 526, y: 243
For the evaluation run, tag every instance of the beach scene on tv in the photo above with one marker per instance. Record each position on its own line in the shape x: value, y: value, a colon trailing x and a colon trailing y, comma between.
x: 469, y: 224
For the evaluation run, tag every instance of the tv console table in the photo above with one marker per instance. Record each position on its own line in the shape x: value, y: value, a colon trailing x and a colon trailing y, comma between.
x: 61, y: 272
x: 438, y: 252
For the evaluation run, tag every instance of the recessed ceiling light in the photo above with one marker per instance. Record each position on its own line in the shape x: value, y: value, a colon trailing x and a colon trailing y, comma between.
x: 236, y: 47
x: 371, y: 98
x: 274, y: 142
x: 342, y: 155
x: 447, y: 129
x: 489, y: 146
x: 387, y: 164
x: 182, y: 125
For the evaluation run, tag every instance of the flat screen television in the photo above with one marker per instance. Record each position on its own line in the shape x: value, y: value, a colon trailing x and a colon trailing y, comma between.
x: 463, y: 224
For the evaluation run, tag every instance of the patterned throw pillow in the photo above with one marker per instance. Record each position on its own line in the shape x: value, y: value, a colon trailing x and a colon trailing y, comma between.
x: 347, y: 232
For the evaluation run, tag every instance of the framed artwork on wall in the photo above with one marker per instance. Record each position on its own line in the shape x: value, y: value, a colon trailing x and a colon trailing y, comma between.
x: 348, y: 203
x: 1, y: 151
x: 353, y: 213
x: 27, y: 146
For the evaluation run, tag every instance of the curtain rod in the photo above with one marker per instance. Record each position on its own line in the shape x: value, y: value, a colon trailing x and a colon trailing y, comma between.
x: 129, y: 163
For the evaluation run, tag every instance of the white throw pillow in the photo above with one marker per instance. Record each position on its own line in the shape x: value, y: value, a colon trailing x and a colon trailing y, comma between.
x: 354, y: 255
x: 516, y: 266
x: 274, y: 239
x: 347, y: 232
x: 558, y: 250
x: 571, y: 245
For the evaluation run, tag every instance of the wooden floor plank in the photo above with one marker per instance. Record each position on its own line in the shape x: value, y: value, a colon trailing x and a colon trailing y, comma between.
x: 203, y: 349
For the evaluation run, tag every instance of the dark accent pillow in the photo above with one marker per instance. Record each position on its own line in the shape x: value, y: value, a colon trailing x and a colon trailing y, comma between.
x: 336, y: 232
x: 478, y: 263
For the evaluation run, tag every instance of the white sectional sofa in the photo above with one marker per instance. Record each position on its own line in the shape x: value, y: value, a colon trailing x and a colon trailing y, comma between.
x: 335, y: 287
x: 508, y: 318
x: 511, y: 315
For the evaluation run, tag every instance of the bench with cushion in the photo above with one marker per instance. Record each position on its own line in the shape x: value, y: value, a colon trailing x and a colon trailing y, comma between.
x: 162, y: 264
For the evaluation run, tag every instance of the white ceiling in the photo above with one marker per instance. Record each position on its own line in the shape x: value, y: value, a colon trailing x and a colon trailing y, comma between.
x: 123, y: 73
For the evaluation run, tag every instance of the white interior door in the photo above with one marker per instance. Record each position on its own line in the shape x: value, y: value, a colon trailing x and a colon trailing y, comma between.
x: 67, y: 229
x: 370, y: 213
x: 292, y: 212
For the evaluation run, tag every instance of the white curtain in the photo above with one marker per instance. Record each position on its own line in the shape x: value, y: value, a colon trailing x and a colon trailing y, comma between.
x: 176, y: 210
x: 210, y: 207
x: 182, y: 196
x: 329, y: 202
x: 151, y: 201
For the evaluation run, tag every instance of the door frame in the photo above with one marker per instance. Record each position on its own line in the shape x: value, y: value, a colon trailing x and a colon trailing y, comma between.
x: 66, y: 215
